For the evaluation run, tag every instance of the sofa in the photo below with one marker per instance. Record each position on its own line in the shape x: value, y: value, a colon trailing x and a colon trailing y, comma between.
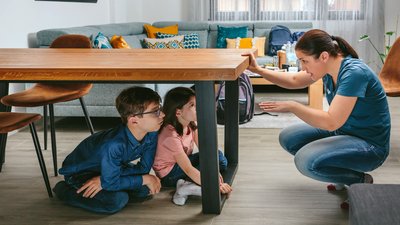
x: 100, y: 100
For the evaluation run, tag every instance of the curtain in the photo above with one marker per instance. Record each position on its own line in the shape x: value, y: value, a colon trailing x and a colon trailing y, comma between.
x: 345, y: 18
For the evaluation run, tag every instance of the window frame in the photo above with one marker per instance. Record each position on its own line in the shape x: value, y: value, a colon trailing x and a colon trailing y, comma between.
x: 255, y: 13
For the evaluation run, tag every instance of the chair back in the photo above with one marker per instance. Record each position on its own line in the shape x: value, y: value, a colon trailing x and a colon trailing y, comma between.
x: 390, y: 73
x: 71, y: 41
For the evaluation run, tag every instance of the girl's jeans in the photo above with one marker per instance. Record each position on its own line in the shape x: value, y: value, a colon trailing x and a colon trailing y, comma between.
x: 106, y: 202
x: 177, y: 173
x: 331, y: 156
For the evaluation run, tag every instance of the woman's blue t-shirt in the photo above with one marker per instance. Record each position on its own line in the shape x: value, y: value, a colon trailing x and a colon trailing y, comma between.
x: 370, y: 118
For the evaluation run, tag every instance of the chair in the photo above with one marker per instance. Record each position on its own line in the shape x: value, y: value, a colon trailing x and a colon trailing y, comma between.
x: 10, y: 121
x: 43, y: 94
x: 390, y: 73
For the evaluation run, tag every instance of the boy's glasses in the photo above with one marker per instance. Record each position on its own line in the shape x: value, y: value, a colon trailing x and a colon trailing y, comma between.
x: 156, y: 113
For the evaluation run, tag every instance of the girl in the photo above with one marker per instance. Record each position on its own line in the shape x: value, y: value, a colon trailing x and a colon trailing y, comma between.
x: 175, y: 161
x: 352, y: 137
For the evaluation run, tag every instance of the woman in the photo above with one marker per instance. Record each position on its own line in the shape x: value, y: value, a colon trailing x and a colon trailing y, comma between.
x: 351, y: 138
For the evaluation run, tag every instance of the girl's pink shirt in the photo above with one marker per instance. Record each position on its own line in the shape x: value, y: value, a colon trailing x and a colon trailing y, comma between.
x: 169, y: 144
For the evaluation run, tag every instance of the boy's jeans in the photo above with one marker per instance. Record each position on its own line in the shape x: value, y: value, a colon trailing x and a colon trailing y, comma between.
x: 330, y: 156
x: 107, y: 202
x: 177, y: 173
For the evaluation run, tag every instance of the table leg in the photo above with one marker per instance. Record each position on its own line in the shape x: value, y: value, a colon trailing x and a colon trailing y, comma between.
x: 208, y: 141
x: 232, y: 121
x: 3, y: 137
x: 231, y: 149
x: 208, y: 145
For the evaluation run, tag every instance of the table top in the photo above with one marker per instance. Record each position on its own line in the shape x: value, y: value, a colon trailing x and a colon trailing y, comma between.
x: 35, y: 64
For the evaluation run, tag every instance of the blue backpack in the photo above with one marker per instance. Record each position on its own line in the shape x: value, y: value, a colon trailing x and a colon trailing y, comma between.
x: 297, y: 35
x: 278, y: 36
x: 246, y: 101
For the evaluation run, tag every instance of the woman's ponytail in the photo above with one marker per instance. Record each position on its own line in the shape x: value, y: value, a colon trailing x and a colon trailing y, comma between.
x: 345, y: 47
x: 316, y: 41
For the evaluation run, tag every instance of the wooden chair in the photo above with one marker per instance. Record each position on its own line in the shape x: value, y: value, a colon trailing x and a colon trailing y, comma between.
x: 43, y: 94
x: 390, y: 73
x: 10, y: 121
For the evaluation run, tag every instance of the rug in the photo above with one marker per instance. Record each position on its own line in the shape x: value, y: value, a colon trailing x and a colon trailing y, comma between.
x: 276, y: 120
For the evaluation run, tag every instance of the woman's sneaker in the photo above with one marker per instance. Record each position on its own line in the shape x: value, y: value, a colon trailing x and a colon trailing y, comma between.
x: 368, y: 179
x: 335, y: 187
x: 345, y: 205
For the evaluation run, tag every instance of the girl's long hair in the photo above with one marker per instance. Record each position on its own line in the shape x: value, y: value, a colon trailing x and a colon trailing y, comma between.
x: 315, y: 41
x: 175, y: 99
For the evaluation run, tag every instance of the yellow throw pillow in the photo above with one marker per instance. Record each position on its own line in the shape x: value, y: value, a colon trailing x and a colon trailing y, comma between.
x: 152, y: 31
x: 256, y: 42
x: 119, y: 42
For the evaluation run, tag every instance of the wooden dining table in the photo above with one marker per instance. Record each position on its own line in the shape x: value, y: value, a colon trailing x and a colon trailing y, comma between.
x: 203, y: 67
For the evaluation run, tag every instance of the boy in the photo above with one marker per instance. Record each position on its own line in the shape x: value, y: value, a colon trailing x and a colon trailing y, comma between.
x: 104, y: 172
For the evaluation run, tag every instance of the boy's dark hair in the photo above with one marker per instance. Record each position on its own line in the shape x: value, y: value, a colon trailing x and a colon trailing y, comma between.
x: 135, y: 100
x: 316, y: 41
x: 175, y: 99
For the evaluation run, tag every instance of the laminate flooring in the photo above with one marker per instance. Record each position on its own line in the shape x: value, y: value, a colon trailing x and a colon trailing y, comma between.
x: 268, y: 190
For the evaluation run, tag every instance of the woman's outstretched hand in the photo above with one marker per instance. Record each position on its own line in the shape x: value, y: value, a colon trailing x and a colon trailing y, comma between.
x: 281, y: 106
x: 253, y: 66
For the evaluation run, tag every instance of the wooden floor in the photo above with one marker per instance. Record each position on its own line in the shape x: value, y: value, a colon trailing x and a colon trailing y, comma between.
x: 267, y: 190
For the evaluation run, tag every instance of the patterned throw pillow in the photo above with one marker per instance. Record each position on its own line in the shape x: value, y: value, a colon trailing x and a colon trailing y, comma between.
x: 256, y: 42
x: 229, y: 32
x: 101, y: 41
x: 172, y: 42
x: 152, y: 30
x: 119, y: 42
x: 189, y: 40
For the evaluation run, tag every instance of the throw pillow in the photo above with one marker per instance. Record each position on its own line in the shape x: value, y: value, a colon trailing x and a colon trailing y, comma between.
x: 172, y: 42
x: 256, y: 42
x: 229, y: 32
x: 152, y: 31
x: 101, y: 41
x: 189, y: 40
x: 119, y: 42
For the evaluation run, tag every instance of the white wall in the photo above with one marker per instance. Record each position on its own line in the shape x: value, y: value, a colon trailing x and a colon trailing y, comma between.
x: 149, y: 10
x: 18, y: 18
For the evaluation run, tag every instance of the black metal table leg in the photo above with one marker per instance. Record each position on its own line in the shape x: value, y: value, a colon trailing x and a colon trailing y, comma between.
x: 208, y: 145
x: 208, y: 141
x: 231, y: 129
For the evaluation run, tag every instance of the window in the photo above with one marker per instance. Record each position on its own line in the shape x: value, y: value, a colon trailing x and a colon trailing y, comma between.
x: 287, y: 9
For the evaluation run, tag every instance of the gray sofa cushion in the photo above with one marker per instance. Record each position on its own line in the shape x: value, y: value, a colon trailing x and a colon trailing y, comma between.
x: 374, y: 204
x: 45, y: 37
x: 135, y: 41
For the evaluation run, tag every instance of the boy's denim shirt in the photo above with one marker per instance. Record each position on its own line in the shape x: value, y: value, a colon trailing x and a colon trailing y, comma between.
x: 110, y: 153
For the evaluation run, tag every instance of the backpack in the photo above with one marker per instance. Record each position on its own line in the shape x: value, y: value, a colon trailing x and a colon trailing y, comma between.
x: 278, y: 36
x: 297, y: 35
x: 246, y: 100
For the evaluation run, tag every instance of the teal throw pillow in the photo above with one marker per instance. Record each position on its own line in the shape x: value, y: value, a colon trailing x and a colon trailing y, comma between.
x: 101, y: 41
x: 189, y: 40
x: 229, y: 32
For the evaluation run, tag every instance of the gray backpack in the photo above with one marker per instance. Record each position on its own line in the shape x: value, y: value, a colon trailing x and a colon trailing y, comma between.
x: 246, y: 100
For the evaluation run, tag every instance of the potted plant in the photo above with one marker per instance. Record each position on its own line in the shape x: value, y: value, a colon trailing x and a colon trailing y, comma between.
x: 388, y: 44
